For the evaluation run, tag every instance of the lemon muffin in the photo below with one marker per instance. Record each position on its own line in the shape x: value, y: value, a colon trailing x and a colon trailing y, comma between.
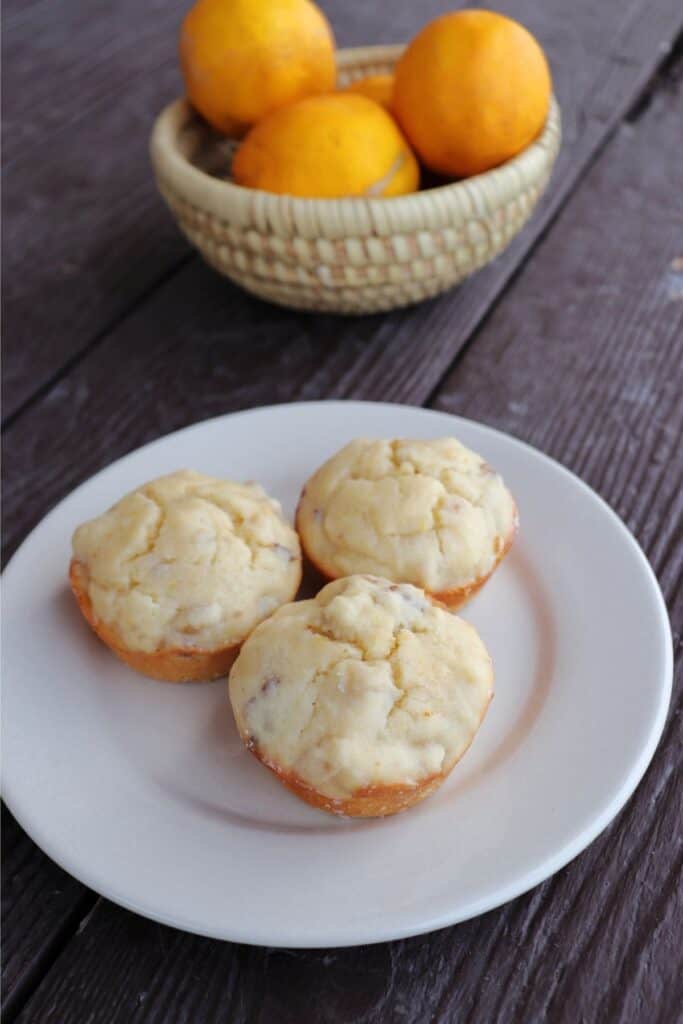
x: 176, y: 575
x: 362, y: 699
x: 431, y: 513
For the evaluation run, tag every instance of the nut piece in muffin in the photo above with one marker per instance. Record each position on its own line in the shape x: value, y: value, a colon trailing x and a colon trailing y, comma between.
x: 430, y: 513
x: 175, y: 576
x: 362, y: 699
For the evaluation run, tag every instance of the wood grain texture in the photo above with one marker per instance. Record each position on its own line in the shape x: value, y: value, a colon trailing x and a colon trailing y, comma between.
x: 583, y: 357
x: 85, y: 235
x: 82, y: 236
x: 420, y: 355
x: 595, y: 380
x: 199, y: 347
x: 73, y: 269
x: 65, y: 65
x: 200, y: 350
x: 41, y: 906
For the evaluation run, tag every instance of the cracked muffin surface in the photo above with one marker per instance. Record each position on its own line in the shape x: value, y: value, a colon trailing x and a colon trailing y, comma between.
x: 432, y: 513
x: 186, y: 562
x: 362, y: 699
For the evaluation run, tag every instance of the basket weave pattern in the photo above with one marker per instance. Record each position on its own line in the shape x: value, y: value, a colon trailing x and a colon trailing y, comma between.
x: 351, y: 255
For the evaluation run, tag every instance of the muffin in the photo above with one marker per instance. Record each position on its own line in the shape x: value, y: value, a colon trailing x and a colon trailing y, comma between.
x: 175, y: 576
x: 362, y: 699
x: 430, y: 513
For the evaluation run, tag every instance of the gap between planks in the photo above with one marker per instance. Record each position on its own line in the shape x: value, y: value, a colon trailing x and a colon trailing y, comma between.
x: 82, y: 354
x: 660, y: 78
x: 78, y: 918
x: 74, y: 921
x: 546, y: 220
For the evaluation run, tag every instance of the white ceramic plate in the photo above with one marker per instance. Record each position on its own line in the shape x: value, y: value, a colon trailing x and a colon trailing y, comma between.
x: 143, y: 791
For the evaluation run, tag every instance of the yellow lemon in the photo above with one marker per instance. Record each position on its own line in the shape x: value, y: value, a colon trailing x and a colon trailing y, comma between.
x: 471, y: 90
x: 242, y: 59
x: 328, y: 146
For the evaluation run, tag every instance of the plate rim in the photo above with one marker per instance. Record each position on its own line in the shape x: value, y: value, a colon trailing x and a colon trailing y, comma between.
x: 321, y: 938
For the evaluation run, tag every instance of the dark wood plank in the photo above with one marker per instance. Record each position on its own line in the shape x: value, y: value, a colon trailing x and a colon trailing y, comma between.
x: 85, y: 234
x: 199, y: 347
x: 412, y: 367
x: 541, y: 958
x: 585, y: 361
x: 584, y: 358
x: 97, y: 52
x: 65, y: 64
x: 73, y: 269
x: 41, y: 908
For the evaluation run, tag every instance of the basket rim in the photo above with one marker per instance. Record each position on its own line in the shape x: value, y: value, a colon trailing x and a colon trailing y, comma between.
x: 224, y: 198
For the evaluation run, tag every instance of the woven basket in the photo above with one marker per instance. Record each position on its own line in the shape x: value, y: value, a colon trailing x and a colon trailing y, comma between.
x: 351, y: 255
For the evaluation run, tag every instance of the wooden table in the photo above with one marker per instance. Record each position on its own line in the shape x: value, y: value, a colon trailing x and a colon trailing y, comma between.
x: 116, y: 333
